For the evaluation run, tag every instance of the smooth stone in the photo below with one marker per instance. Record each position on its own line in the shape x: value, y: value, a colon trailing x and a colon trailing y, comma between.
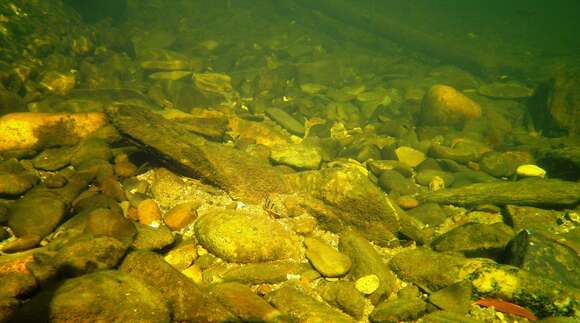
x: 15, y: 184
x: 152, y: 238
x: 297, y: 156
x: 187, y: 301
x: 243, y: 237
x: 36, y: 214
x: 367, y: 284
x: 181, y: 215
x: 304, y: 307
x: 52, y: 159
x: 182, y: 256
x: 328, y: 261
x: 104, y: 296
x: 286, y: 121
x: 109, y: 223
x: 410, y: 156
x: 148, y: 212
x: 445, y: 106
x: 530, y: 171
x: 431, y: 214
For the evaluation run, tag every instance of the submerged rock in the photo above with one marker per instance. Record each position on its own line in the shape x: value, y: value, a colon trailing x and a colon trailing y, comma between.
x: 245, y: 237
x: 445, y: 106
x: 106, y: 296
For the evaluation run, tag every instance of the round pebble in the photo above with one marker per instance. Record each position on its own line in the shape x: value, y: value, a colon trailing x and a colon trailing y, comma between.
x: 367, y: 284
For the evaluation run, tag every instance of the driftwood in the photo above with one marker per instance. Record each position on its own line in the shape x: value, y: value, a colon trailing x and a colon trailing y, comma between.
x: 449, y: 51
x: 533, y: 192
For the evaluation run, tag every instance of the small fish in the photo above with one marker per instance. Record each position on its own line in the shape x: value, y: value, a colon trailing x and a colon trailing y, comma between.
x: 507, y: 307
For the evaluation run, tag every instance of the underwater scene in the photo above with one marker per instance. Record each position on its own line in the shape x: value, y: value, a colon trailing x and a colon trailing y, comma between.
x: 289, y: 161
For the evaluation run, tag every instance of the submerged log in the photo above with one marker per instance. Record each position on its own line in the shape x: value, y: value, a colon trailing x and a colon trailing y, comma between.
x: 533, y: 192
x: 453, y: 52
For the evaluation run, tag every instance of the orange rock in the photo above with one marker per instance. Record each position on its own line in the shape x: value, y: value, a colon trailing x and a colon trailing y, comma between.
x: 445, y: 106
x: 407, y: 202
x: 181, y: 216
x: 148, y: 212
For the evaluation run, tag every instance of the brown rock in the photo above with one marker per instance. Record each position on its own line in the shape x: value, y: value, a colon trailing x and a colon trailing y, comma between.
x: 181, y: 216
x: 445, y: 106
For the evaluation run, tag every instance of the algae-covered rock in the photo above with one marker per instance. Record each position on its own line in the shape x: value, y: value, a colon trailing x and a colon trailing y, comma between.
x: 350, y: 198
x: 245, y: 237
x: 295, y: 302
x: 36, y: 214
x: 187, y: 302
x: 243, y: 302
x: 104, y: 296
x: 152, y: 238
x: 431, y: 270
x: 454, y: 298
x: 367, y: 261
x: 537, y: 253
x: 399, y: 309
x: 541, y: 295
x: 505, y: 90
x: 328, y: 261
x: 475, y: 239
x: 345, y: 296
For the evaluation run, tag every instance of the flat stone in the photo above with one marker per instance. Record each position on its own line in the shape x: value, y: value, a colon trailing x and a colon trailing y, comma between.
x: 505, y: 90
x: 244, y: 237
x: 398, y: 309
x: 328, y: 261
